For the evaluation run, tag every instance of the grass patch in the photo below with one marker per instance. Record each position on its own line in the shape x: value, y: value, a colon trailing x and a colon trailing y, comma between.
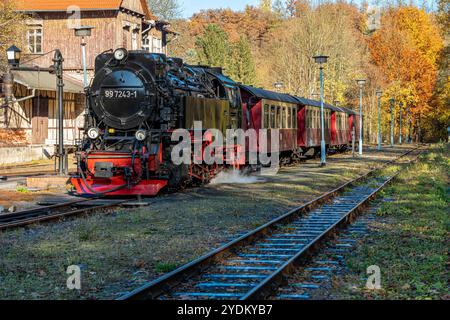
x: 163, y: 267
x: 87, y: 233
x: 411, y: 245
x: 22, y: 189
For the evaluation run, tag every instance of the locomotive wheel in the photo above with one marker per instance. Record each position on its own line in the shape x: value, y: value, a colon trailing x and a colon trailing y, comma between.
x: 178, y: 177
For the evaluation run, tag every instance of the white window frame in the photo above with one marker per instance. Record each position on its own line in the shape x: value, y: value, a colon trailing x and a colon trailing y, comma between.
x: 32, y: 31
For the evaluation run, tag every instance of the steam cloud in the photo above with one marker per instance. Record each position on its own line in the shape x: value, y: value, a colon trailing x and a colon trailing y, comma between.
x: 234, y: 176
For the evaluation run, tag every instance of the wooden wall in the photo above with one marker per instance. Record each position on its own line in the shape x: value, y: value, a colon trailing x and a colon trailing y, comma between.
x: 57, y: 34
x: 110, y: 32
x: 20, y: 114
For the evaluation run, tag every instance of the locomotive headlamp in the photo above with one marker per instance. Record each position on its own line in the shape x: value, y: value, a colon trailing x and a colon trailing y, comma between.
x: 93, y: 133
x: 141, y: 135
x: 120, y: 54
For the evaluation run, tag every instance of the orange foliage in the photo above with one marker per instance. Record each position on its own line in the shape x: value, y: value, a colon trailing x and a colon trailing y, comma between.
x: 253, y: 22
x: 406, y: 49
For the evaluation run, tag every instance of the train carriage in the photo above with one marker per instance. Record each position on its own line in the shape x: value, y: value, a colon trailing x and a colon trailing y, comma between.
x: 270, y: 110
x: 309, y: 134
x: 339, y: 128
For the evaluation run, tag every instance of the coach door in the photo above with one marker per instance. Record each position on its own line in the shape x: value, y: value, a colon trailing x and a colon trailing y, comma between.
x: 39, y: 120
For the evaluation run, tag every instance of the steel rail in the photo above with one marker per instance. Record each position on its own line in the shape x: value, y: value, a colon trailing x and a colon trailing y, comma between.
x: 52, y: 212
x: 265, y: 287
x: 172, y: 279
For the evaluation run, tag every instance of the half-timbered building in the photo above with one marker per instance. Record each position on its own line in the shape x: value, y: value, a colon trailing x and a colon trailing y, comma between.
x: 51, y: 24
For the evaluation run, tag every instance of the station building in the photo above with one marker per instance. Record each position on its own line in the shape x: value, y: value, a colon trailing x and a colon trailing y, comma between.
x: 28, y: 122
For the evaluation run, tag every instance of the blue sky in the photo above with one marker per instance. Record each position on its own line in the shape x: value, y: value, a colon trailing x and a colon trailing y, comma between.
x: 192, y: 6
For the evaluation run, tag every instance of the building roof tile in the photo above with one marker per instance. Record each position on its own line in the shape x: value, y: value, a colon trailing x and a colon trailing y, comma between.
x: 62, y: 5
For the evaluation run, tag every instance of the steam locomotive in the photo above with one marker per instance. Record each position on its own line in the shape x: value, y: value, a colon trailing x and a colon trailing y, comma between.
x: 138, y: 99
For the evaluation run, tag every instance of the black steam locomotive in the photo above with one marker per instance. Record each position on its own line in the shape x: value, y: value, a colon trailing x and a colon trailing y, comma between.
x: 134, y: 103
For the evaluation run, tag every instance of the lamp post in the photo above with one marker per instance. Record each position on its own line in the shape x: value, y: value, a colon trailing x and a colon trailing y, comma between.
x: 278, y: 85
x: 83, y: 32
x: 409, y: 125
x: 379, y: 94
x: 321, y: 59
x: 392, y: 103
x: 361, y: 84
x: 401, y: 116
x: 13, y: 53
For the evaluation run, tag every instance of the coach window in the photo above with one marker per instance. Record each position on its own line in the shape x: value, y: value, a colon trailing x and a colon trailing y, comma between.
x: 294, y: 117
x: 266, y: 116
x: 272, y: 116
x: 314, y: 120
x: 308, y: 121
x: 283, y: 118
x: 277, y: 121
x: 315, y: 126
x: 289, y: 120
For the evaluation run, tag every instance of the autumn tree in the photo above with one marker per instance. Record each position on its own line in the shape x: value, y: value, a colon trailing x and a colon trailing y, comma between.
x: 289, y: 56
x: 406, y: 49
x: 11, y: 28
x: 265, y: 5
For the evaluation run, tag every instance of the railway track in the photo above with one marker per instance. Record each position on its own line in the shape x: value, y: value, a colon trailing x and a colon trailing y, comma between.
x: 54, y: 212
x: 256, y: 263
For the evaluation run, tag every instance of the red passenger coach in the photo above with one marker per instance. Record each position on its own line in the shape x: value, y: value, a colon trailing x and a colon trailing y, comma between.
x: 270, y: 110
x: 339, y: 128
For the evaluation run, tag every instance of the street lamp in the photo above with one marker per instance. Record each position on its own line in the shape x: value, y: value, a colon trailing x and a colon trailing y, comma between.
x: 336, y: 103
x: 83, y: 32
x: 278, y: 85
x: 392, y: 103
x: 379, y: 94
x: 13, y: 54
x: 322, y: 60
x: 361, y: 84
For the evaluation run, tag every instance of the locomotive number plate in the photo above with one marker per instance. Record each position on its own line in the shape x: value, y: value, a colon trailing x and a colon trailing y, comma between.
x: 121, y: 94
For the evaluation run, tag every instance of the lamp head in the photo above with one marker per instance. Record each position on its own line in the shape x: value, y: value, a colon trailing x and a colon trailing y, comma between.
x: 13, y: 53
x: 361, y: 82
x: 278, y: 85
x: 83, y: 31
x: 321, y: 59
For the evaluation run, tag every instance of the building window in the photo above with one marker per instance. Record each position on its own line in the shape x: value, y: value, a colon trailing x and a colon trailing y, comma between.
x: 134, y: 40
x: 34, y: 39
x: 152, y: 44
x: 146, y: 44
x: 157, y: 45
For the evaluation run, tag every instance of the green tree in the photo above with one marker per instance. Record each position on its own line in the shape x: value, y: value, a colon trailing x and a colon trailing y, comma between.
x: 242, y: 67
x: 213, y: 47
x: 165, y: 9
